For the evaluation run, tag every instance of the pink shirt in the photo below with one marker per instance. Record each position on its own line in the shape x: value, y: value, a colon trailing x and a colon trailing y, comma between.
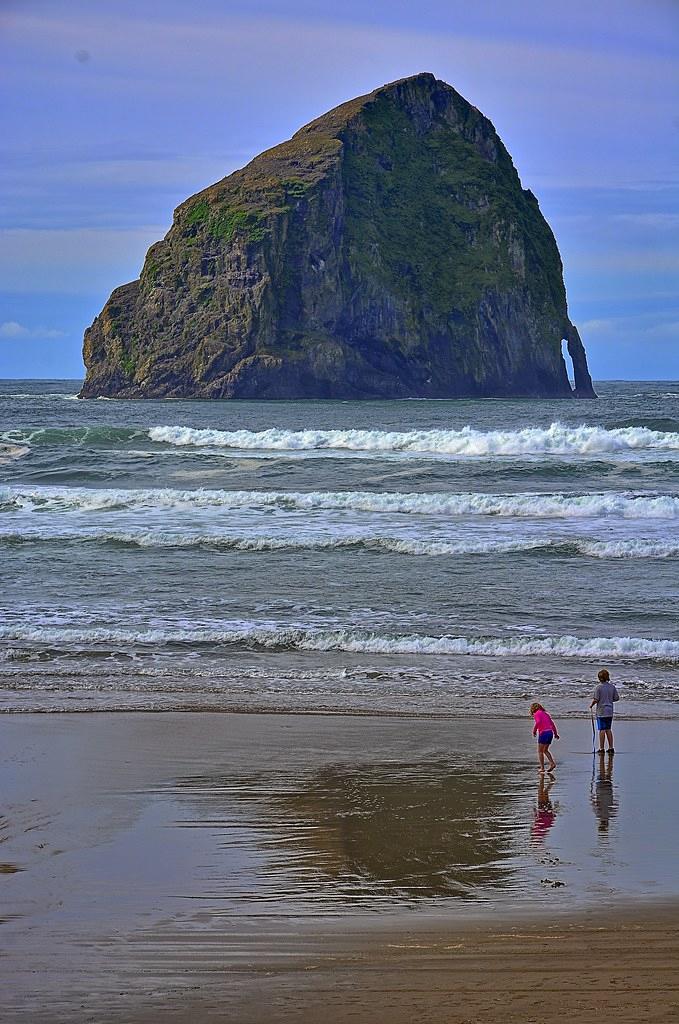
x: 543, y: 722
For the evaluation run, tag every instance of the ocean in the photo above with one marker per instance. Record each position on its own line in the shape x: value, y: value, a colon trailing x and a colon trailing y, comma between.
x: 424, y: 558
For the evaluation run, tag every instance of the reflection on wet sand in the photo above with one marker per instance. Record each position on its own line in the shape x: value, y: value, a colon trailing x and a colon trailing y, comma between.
x: 603, y: 795
x: 544, y: 812
x: 388, y: 831
x: 159, y: 852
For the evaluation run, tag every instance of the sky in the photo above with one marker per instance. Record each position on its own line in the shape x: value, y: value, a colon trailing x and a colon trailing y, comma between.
x: 115, y: 111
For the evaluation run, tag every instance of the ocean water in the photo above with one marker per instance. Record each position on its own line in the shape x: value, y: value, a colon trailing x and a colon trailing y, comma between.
x: 416, y: 557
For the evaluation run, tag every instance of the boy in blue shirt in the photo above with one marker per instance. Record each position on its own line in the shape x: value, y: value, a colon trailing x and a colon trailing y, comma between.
x: 605, y: 695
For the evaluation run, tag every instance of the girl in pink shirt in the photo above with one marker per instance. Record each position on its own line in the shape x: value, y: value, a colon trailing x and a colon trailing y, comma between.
x: 546, y: 731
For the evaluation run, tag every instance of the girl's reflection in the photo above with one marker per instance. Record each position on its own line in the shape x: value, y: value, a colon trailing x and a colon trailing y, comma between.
x: 545, y: 811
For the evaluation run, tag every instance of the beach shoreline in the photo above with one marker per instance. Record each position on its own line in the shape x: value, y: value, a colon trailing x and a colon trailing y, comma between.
x: 258, y: 868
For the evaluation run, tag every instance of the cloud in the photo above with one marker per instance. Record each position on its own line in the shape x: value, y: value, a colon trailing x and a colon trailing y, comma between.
x: 667, y: 331
x: 165, y: 80
x: 599, y: 327
x: 632, y: 261
x: 158, y: 172
x: 644, y: 326
x: 639, y: 346
x: 659, y: 221
x: 298, y: 67
x: 11, y: 329
x: 82, y: 261
x: 52, y: 190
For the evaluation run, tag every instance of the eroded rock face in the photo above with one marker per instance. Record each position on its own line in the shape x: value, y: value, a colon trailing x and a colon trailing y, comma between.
x: 386, y: 250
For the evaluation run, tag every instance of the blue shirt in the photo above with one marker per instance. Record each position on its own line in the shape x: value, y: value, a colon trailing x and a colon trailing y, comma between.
x: 605, y: 694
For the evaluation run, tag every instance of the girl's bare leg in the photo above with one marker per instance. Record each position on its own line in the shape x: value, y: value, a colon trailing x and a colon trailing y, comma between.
x: 552, y: 762
x: 541, y: 756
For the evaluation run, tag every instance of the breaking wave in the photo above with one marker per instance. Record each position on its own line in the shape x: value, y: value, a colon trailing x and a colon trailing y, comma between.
x: 574, y: 548
x: 269, y: 637
x: 557, y: 439
x: 625, y: 504
x: 37, y: 396
x: 73, y: 436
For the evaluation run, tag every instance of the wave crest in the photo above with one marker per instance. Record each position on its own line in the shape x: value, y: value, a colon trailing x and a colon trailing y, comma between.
x: 557, y: 439
x: 385, y: 544
x: 271, y: 637
x: 557, y: 505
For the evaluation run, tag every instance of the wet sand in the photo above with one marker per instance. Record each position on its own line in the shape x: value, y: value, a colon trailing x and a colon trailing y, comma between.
x: 297, y: 868
x: 617, y: 967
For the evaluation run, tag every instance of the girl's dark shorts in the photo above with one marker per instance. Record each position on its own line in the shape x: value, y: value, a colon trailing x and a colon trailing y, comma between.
x: 546, y: 737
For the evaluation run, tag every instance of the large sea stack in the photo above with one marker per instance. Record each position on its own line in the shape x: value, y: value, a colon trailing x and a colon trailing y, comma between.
x: 387, y: 250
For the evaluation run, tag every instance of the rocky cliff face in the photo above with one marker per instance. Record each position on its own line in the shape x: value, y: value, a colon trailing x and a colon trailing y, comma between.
x: 386, y: 250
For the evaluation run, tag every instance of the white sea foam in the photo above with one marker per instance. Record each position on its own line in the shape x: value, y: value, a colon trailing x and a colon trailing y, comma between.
x: 358, y: 641
x: 628, y: 548
x: 557, y: 505
x: 35, y: 395
x: 621, y: 549
x: 633, y: 648
x: 281, y: 542
x: 10, y: 452
x: 557, y: 439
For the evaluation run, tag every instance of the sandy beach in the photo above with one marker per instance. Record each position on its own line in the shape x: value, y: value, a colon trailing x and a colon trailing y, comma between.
x: 509, y: 972
x: 274, y: 867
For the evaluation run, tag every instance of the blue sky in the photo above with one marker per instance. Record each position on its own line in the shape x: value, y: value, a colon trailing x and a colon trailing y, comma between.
x: 113, y: 112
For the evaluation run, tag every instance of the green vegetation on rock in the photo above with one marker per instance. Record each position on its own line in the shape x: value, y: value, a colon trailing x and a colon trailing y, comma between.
x: 226, y: 223
x: 386, y: 250
x: 198, y: 213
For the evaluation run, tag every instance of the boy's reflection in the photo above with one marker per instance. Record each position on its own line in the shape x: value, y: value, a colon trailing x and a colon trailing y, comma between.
x: 545, y: 811
x: 603, y: 793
